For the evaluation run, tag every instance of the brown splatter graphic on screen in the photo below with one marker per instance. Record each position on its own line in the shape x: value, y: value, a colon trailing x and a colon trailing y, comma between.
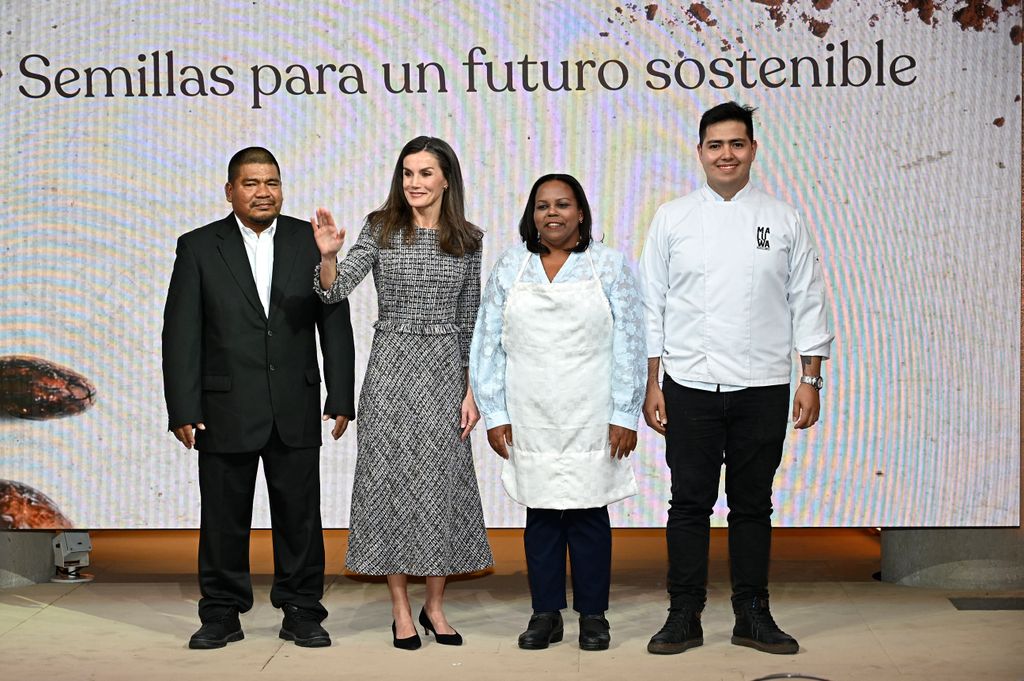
x: 925, y: 9
x: 778, y: 14
x: 818, y: 28
x: 625, y: 16
x: 696, y: 16
x: 999, y: 122
x: 976, y: 15
x: 775, y: 11
x: 815, y: 16
x: 700, y: 14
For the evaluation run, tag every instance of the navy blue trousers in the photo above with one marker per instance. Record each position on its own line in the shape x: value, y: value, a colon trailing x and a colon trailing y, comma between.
x: 587, y: 534
x: 745, y: 430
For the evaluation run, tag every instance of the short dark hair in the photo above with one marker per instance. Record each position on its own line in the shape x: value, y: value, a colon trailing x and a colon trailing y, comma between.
x: 528, y: 228
x: 250, y: 155
x: 729, y: 111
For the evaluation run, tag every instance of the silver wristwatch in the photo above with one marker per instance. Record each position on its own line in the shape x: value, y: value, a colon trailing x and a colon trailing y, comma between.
x: 816, y: 382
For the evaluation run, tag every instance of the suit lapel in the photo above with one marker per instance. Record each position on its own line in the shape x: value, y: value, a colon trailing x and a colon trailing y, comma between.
x: 286, y: 248
x: 233, y: 251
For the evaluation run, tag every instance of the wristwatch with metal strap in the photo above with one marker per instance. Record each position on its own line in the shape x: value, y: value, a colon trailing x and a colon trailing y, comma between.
x: 816, y: 382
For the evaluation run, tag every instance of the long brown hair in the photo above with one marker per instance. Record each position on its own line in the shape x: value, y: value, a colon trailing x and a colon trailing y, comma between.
x: 455, y: 235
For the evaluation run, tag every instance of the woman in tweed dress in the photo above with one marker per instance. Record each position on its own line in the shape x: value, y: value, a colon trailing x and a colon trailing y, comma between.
x: 415, y: 502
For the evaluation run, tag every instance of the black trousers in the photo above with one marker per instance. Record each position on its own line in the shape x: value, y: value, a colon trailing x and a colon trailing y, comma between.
x: 745, y: 430
x: 227, y: 483
x: 587, y: 533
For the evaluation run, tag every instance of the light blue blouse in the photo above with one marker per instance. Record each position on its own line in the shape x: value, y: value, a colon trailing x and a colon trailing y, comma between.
x: 629, y: 349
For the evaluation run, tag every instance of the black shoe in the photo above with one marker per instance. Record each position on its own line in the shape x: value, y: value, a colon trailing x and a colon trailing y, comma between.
x: 756, y: 629
x: 681, y: 632
x: 444, y: 639
x: 544, y: 628
x: 303, y: 627
x: 409, y: 643
x: 217, y: 633
x: 594, y: 632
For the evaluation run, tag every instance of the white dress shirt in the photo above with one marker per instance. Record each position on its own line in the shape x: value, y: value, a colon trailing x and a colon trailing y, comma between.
x: 730, y: 289
x: 260, y: 250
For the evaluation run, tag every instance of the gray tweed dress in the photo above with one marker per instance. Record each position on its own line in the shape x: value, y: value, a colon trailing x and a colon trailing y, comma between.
x: 415, y: 502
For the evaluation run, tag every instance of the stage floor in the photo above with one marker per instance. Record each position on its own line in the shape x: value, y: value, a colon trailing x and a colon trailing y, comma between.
x: 133, y: 622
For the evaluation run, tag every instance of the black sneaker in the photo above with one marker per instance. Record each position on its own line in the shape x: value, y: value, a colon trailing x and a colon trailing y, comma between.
x: 594, y: 632
x: 544, y: 628
x: 303, y: 627
x: 756, y: 629
x: 681, y: 632
x: 217, y: 633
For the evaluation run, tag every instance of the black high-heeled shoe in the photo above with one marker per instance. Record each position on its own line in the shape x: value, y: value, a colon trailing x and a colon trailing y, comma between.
x: 444, y: 639
x: 409, y: 643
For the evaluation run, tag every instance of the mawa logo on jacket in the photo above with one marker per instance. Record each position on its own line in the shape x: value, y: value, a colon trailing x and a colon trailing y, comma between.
x: 762, y: 238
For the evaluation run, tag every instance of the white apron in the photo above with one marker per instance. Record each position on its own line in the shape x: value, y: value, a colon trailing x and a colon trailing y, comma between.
x: 558, y: 343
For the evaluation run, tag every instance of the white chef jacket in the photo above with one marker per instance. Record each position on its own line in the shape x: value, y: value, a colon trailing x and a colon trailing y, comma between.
x: 731, y: 288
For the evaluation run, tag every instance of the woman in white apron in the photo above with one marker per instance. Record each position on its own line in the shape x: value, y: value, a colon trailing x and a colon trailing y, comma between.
x: 558, y: 366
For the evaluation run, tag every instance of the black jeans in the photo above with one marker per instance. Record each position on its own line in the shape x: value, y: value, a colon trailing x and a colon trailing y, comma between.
x: 745, y: 430
x: 587, y: 532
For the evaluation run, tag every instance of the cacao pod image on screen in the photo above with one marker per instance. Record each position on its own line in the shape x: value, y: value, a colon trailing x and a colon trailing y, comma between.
x: 25, y: 508
x: 34, y: 388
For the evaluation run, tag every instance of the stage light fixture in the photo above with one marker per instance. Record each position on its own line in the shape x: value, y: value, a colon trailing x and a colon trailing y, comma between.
x: 70, y: 555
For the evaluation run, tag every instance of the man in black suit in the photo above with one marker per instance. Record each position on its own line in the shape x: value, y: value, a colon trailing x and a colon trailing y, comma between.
x: 242, y: 383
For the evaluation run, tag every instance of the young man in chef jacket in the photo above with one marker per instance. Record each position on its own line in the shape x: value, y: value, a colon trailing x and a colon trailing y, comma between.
x: 731, y: 287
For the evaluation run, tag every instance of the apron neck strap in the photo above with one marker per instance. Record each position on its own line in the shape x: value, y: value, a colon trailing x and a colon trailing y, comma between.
x: 593, y: 268
x: 522, y: 268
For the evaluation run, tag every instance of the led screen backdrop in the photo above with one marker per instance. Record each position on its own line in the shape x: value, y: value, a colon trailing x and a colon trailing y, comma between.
x: 895, y: 130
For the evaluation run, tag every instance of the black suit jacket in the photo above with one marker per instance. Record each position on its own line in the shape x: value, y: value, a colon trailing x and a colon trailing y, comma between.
x: 227, y: 366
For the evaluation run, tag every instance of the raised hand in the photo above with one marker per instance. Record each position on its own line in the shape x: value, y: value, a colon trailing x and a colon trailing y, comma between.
x: 329, y: 238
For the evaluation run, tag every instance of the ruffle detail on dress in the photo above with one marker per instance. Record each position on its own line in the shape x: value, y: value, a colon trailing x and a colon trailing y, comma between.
x: 414, y: 328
